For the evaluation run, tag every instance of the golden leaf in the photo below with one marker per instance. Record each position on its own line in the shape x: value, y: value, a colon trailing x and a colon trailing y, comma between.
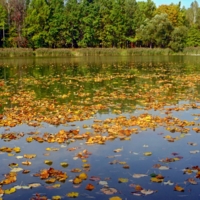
x: 147, y: 153
x: 77, y: 180
x: 73, y: 194
x: 48, y: 162
x: 64, y: 164
x: 83, y: 176
x: 10, y: 191
x: 115, y: 198
x: 178, y: 188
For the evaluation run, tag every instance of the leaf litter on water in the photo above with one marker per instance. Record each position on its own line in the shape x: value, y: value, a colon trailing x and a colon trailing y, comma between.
x: 34, y: 112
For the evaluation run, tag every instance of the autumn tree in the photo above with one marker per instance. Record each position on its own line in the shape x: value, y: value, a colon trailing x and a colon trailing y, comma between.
x: 17, y: 15
x: 174, y: 13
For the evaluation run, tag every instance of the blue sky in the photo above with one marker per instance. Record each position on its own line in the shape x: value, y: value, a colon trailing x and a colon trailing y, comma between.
x: 185, y: 3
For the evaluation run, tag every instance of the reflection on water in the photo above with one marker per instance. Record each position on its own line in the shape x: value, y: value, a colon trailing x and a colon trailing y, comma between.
x: 158, y: 96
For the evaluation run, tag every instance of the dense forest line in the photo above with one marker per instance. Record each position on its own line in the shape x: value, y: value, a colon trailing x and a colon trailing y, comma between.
x: 98, y: 23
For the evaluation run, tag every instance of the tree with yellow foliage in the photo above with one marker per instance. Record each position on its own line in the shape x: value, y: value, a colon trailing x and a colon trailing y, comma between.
x: 175, y: 14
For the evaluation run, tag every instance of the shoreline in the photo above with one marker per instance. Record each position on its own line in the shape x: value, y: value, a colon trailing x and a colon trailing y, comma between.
x: 81, y: 52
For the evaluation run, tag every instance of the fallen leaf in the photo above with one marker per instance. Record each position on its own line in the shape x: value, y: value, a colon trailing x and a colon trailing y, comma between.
x: 75, y: 170
x: 83, y: 176
x: 108, y: 190
x: 156, y: 180
x: 192, y: 143
x: 89, y: 187
x: 163, y: 168
x: 17, y: 169
x: 194, y: 152
x: 64, y: 164
x: 168, y: 183
x: 73, y: 194
x: 94, y: 178
x: 122, y: 180
x: 10, y: 191
x: 192, y: 181
x: 147, y: 153
x: 139, y: 175
x: 29, y: 156
x: 17, y: 149
x: 77, y: 180
x: 147, y: 192
x: 118, y: 150
x: 34, y: 185
x: 48, y: 162
x: 115, y: 198
x: 26, y: 163
x: 56, y: 197
x: 178, y: 188
x: 104, y: 183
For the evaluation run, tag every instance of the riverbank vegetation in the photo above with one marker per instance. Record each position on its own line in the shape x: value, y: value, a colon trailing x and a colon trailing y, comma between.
x: 80, y: 52
x: 98, y: 23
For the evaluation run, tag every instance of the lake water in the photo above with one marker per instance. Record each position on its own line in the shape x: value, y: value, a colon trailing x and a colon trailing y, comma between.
x: 133, y: 122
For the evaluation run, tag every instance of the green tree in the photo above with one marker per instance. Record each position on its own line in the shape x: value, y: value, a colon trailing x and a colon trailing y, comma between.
x: 72, y: 23
x: 3, y: 16
x: 36, y: 23
x: 193, y: 37
x: 155, y: 32
x: 106, y: 27
x: 145, y: 10
x: 130, y: 21
x: 55, y: 36
x: 178, y: 38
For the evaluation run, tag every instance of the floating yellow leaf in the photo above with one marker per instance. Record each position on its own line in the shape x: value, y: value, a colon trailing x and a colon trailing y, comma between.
x: 16, y: 149
x: 178, y: 188
x: 51, y: 180
x: 10, y: 154
x: 56, y: 197
x: 122, y: 180
x: 10, y: 191
x: 156, y: 180
x: 29, y: 139
x: 115, y: 198
x: 73, y: 194
x: 86, y: 165
x: 26, y: 163
x: 29, y: 156
x: 75, y: 170
x: 48, y: 162
x: 148, y: 153
x: 122, y: 163
x: 83, y: 176
x: 77, y: 180
x: 56, y: 185
x: 13, y: 165
x: 64, y: 164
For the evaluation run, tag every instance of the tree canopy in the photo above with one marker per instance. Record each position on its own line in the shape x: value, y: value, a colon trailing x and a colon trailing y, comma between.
x: 98, y: 23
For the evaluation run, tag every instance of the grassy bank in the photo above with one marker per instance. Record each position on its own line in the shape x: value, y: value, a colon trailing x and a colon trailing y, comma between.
x: 45, y: 52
